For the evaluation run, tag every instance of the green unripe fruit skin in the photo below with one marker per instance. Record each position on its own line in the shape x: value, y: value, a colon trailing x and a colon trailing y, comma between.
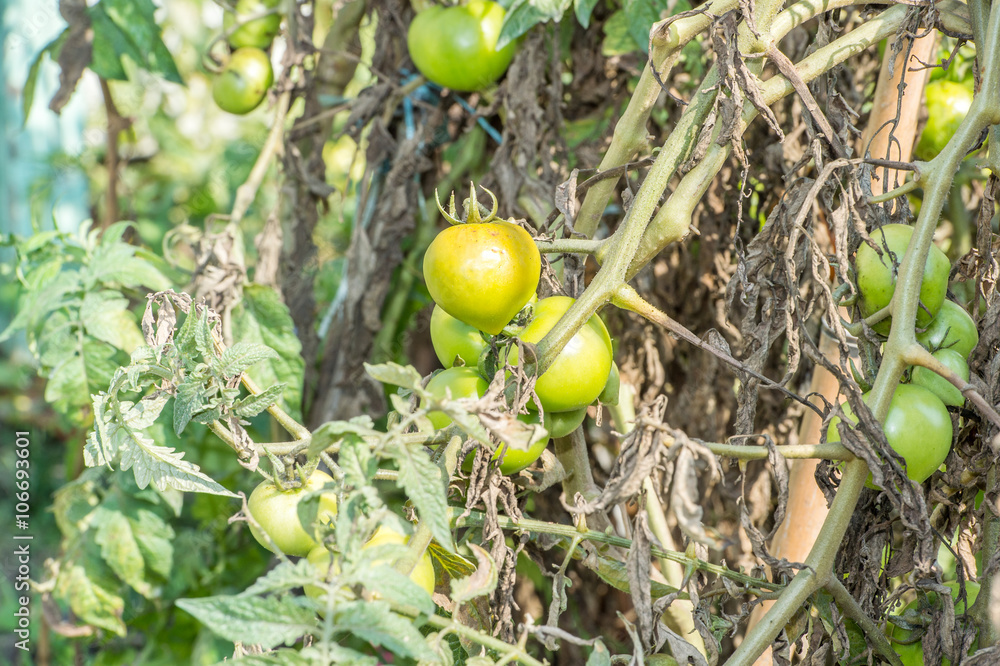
x: 876, y: 275
x: 276, y: 512
x: 937, y: 384
x: 917, y: 427
x: 947, y: 105
x: 952, y: 329
x: 451, y: 337
x: 243, y: 83
x: 256, y: 33
x: 461, y: 382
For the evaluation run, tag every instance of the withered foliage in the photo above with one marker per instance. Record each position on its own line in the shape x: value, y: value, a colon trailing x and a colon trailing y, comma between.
x: 770, y: 242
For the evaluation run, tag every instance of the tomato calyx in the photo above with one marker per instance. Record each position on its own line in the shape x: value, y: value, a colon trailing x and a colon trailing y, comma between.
x: 474, y: 211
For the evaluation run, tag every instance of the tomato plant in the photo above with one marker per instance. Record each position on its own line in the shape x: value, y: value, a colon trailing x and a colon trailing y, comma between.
x: 938, y: 385
x: 918, y: 428
x: 952, y: 328
x: 244, y: 81
x: 455, y: 47
x: 482, y: 273
x: 453, y: 339
x: 253, y: 32
x: 876, y: 275
x: 276, y: 511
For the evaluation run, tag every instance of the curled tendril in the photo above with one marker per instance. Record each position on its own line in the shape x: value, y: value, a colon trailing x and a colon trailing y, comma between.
x: 473, y: 215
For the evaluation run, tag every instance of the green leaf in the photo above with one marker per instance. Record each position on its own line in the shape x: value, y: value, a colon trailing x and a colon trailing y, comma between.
x: 252, y: 405
x: 155, y: 539
x: 164, y: 468
x: 74, y: 502
x: 285, y: 576
x: 28, y: 92
x: 613, y: 572
x: 641, y: 15
x: 72, y: 382
x: 395, y: 374
x: 186, y: 402
x: 262, y: 317
x: 331, y: 653
x: 105, y: 316
x: 120, y: 549
x: 617, y: 38
x: 374, y: 622
x: 584, y: 8
x: 144, y: 413
x: 526, y: 15
x: 241, y: 356
x: 92, y: 602
x: 453, y: 564
x: 267, y: 622
x: 114, y: 263
x: 357, y: 462
x: 599, y: 656
x: 425, y: 486
x: 334, y: 431
x: 128, y: 28
x: 393, y: 586
x: 159, y: 465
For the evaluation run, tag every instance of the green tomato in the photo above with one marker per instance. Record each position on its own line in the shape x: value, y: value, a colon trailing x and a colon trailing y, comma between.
x: 514, y: 459
x: 917, y: 427
x: 243, y: 83
x: 947, y: 104
x: 937, y: 384
x: 276, y: 512
x: 952, y: 328
x: 452, y: 338
x: 460, y: 382
x: 609, y: 396
x: 482, y: 273
x: 912, y: 653
x: 257, y: 33
x: 581, y: 370
x: 455, y: 47
x: 877, y: 275
x: 558, y: 424
x: 422, y: 573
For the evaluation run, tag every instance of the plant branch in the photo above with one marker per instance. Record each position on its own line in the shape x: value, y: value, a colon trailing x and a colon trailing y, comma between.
x: 476, y: 636
x: 915, y: 354
x: 569, y: 246
x: 628, y: 298
x: 247, y: 192
x: 817, y: 574
x: 849, y: 605
x: 478, y: 519
x: 828, y: 451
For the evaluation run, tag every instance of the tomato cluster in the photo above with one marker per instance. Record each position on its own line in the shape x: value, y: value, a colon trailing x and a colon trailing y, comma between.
x: 918, y: 425
x: 481, y: 275
x: 247, y: 75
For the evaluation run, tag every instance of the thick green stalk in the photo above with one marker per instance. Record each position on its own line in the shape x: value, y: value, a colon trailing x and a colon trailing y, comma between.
x: 938, y: 176
x: 817, y: 572
x: 630, y: 131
